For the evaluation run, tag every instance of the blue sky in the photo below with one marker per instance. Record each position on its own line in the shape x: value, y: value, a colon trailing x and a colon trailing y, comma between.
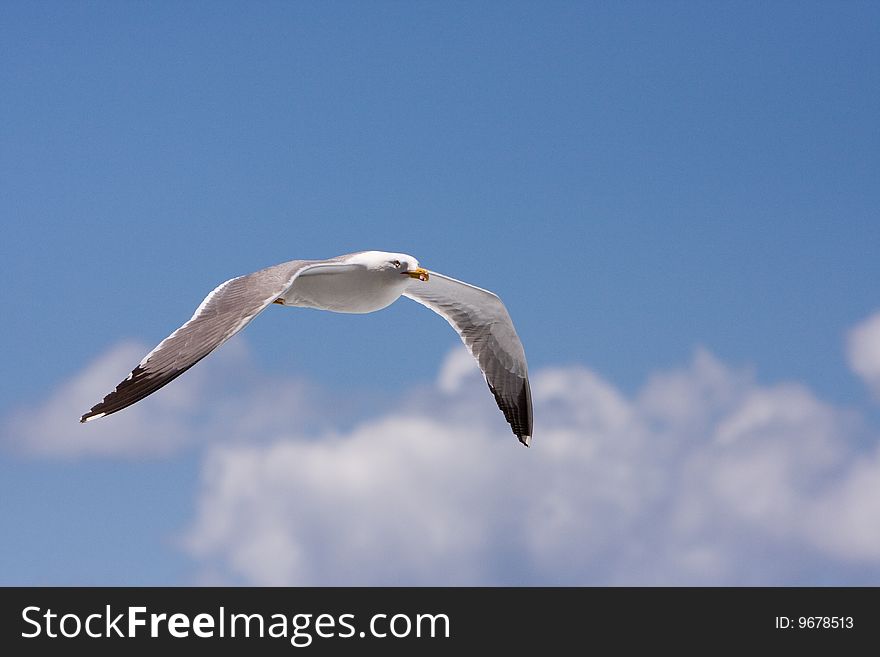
x: 638, y: 181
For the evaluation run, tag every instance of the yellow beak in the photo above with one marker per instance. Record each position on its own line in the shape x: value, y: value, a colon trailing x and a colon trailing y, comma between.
x: 421, y: 274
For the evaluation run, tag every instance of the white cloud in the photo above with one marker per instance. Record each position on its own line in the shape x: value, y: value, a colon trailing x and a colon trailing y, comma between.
x: 52, y: 428
x: 704, y: 477
x: 224, y: 398
x: 863, y: 352
x: 457, y: 367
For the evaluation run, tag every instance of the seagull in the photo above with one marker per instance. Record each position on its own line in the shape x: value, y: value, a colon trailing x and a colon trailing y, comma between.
x: 361, y: 282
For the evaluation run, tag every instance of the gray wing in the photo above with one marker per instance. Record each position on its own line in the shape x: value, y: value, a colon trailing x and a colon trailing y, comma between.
x: 223, y: 313
x: 485, y: 327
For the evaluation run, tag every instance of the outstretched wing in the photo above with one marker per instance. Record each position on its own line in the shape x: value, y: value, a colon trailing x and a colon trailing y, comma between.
x: 223, y: 313
x: 485, y: 327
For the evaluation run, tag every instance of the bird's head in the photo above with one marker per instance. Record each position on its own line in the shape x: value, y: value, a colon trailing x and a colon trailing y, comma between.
x: 393, y: 264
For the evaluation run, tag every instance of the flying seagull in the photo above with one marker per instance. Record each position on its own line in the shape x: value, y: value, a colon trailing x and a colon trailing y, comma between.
x: 360, y: 282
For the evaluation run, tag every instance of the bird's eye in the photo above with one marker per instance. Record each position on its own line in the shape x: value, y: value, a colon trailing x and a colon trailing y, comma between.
x: 396, y: 263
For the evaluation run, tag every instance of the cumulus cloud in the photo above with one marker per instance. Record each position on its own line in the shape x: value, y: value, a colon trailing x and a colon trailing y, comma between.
x: 457, y: 368
x: 863, y: 352
x: 703, y: 477
x: 51, y: 427
x: 225, y: 398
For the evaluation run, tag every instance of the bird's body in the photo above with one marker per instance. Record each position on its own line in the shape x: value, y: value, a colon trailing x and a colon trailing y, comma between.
x: 360, y: 282
x: 360, y: 289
